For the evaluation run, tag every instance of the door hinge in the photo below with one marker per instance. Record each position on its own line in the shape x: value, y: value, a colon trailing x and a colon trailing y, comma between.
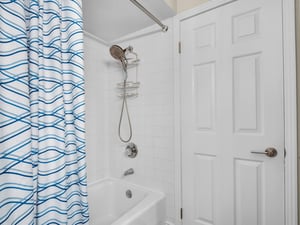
x: 181, y: 213
x: 179, y: 47
x: 284, y: 153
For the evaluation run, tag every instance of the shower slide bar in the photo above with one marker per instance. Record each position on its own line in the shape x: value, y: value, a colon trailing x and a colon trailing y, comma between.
x: 137, y: 4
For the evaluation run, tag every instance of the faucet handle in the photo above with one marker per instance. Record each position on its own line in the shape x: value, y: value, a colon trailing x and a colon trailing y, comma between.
x: 131, y: 150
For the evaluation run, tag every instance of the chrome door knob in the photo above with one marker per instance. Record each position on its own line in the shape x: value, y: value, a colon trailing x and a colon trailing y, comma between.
x: 270, y: 152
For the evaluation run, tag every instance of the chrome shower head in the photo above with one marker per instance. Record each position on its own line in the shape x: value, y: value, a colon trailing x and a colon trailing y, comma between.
x: 117, y: 52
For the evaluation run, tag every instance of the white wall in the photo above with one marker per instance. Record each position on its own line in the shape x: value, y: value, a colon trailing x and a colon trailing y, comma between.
x: 298, y: 93
x: 188, y: 4
x: 152, y: 116
x: 172, y: 4
x: 96, y: 57
x: 181, y: 5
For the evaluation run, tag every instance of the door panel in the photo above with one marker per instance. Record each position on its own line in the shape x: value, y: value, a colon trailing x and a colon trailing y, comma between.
x: 248, y: 192
x: 232, y: 104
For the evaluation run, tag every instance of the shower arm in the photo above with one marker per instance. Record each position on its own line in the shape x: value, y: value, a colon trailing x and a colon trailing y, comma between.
x: 137, y: 4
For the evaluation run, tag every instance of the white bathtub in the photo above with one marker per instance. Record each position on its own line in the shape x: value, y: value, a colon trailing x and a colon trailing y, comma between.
x: 109, y: 204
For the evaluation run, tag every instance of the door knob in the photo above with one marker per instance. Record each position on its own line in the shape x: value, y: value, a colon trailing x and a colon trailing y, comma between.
x: 270, y: 152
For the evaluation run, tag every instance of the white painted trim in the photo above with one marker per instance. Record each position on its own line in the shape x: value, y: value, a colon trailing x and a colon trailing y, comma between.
x: 290, y: 106
x: 95, y: 38
x: 177, y: 122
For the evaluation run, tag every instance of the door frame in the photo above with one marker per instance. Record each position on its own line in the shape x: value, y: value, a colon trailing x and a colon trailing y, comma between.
x: 290, y: 106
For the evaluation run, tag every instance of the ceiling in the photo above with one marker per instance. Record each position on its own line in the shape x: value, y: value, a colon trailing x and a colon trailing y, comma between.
x: 112, y: 19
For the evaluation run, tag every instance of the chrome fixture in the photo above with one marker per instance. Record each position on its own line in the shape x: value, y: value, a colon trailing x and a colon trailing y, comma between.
x: 131, y: 61
x: 129, y: 194
x: 137, y: 4
x: 270, y: 152
x: 128, y: 172
x: 119, y: 53
x: 131, y: 89
x: 131, y: 150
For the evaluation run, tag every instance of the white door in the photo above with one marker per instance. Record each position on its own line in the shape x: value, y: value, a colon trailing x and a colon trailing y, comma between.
x: 232, y: 105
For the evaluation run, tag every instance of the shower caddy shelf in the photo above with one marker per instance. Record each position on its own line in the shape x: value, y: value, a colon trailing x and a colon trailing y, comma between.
x: 131, y: 86
x: 131, y: 89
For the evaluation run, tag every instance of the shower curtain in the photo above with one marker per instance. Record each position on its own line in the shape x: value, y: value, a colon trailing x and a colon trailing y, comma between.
x: 42, y: 144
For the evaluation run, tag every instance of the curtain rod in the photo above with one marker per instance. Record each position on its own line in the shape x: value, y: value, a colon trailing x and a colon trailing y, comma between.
x: 137, y: 4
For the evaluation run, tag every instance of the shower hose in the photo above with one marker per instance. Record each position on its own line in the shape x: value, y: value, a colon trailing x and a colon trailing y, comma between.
x: 125, y: 107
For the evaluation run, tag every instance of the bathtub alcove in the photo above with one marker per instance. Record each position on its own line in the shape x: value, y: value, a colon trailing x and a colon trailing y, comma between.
x: 108, y: 22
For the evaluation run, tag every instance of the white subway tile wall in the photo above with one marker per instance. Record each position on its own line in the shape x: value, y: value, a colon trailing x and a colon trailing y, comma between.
x: 96, y: 72
x: 152, y: 115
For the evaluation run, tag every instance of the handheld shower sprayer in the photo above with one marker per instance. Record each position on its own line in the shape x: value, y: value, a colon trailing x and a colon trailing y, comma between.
x: 120, y: 54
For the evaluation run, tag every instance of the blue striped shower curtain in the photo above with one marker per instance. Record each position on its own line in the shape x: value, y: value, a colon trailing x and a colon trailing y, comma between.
x: 42, y: 145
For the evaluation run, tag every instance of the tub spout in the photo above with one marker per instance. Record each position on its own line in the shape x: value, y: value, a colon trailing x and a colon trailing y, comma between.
x: 128, y: 172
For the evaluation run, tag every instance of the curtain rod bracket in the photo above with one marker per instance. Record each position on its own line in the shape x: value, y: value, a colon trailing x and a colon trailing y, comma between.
x: 165, y: 28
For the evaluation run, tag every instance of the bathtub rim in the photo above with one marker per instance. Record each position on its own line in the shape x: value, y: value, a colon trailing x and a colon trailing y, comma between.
x: 134, y: 185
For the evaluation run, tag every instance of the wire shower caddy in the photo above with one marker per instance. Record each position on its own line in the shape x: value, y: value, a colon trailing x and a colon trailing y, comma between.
x: 131, y: 87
